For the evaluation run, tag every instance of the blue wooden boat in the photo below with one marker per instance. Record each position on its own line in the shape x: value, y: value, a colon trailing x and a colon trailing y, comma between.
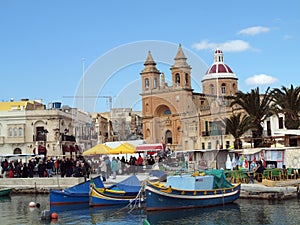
x: 5, y: 191
x: 122, y: 193
x: 191, y: 191
x: 78, y: 194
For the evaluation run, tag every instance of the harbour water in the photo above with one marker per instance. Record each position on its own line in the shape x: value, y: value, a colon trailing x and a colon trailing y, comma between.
x: 15, y: 210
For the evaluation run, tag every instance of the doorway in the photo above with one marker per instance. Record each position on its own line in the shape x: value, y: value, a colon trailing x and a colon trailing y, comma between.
x: 168, y: 137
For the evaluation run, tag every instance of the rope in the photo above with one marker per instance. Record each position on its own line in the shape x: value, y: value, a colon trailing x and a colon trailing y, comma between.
x: 138, y: 196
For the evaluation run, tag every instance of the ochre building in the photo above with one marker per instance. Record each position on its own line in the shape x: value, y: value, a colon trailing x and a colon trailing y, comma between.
x: 175, y: 115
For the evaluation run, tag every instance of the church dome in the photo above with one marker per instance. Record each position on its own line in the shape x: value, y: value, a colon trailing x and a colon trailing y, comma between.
x: 219, y: 69
x: 218, y: 51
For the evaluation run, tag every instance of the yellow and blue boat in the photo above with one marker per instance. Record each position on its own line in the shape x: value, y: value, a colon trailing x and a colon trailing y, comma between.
x: 122, y: 193
x: 191, y: 191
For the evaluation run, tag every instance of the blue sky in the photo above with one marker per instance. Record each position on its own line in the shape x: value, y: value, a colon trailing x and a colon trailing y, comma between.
x: 42, y: 45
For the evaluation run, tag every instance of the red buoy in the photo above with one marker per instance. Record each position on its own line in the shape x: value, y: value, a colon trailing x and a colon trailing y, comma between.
x: 54, y: 215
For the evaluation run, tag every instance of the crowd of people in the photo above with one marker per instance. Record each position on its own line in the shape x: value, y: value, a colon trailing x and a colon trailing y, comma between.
x: 117, y: 166
x: 46, y: 167
x: 79, y: 167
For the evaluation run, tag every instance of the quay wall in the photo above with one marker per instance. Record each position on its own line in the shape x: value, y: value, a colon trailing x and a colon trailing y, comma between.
x: 39, y: 184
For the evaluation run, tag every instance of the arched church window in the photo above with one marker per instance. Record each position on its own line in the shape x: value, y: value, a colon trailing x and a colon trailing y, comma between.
x: 167, y: 112
x: 223, y: 88
x: 146, y: 83
x: 15, y: 132
x: 177, y: 79
x: 155, y: 82
x: 212, y: 89
x: 186, y: 78
x: 148, y: 133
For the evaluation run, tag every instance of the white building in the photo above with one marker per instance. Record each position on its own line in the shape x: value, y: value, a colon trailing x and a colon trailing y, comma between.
x: 27, y: 127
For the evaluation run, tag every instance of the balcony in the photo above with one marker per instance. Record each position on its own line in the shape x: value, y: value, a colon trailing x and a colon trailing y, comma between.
x: 69, y: 138
x: 40, y: 137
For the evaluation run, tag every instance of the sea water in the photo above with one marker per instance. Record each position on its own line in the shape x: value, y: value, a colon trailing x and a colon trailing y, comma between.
x: 16, y: 210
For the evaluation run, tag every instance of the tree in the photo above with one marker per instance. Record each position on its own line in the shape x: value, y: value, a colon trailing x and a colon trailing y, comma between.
x: 287, y: 101
x: 258, y: 107
x: 237, y: 125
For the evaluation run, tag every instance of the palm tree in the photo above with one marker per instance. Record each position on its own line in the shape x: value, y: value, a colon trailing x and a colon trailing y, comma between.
x: 237, y: 125
x: 287, y: 101
x: 258, y: 107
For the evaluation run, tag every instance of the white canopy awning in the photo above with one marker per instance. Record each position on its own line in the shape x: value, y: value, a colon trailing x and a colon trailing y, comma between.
x: 251, y: 151
x: 284, y: 132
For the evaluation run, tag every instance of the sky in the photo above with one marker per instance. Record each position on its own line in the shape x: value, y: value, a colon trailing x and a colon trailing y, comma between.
x: 59, y: 51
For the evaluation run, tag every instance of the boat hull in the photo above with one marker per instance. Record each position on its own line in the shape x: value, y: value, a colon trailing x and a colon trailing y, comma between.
x: 58, y: 197
x: 5, y: 191
x: 103, y: 197
x: 159, y: 198
x: 77, y: 194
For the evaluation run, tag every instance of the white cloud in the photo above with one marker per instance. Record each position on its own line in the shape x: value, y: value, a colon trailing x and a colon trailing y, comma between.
x: 254, y: 30
x: 287, y: 37
x: 261, y: 79
x: 229, y: 46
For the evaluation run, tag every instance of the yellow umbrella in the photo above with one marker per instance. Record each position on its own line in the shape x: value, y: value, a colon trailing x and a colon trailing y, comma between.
x: 124, y: 148
x: 99, y: 149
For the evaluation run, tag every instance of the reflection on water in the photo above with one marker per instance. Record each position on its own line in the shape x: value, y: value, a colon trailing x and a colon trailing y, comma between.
x: 100, y: 215
x: 196, y: 216
x: 5, y: 199
x: 15, y: 210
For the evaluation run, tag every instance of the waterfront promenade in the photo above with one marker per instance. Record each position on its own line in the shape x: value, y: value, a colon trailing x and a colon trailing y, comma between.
x: 44, y: 184
x: 265, y: 190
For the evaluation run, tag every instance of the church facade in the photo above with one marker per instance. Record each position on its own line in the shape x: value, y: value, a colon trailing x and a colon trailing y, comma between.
x: 177, y: 116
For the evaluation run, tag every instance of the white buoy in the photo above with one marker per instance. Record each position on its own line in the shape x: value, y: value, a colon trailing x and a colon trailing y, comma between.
x: 32, y: 204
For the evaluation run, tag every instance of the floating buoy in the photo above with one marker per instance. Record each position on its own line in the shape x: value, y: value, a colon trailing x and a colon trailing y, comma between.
x: 38, y: 205
x: 54, y: 215
x: 32, y: 204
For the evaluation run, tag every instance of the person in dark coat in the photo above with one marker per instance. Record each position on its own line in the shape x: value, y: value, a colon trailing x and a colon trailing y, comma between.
x: 63, y: 168
x: 69, y: 168
x: 31, y: 168
x: 25, y: 171
x: 259, y: 171
x: 41, y: 168
x: 77, y: 170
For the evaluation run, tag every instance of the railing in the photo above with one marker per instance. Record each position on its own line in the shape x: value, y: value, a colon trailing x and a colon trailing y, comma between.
x: 70, y: 138
x: 40, y: 137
